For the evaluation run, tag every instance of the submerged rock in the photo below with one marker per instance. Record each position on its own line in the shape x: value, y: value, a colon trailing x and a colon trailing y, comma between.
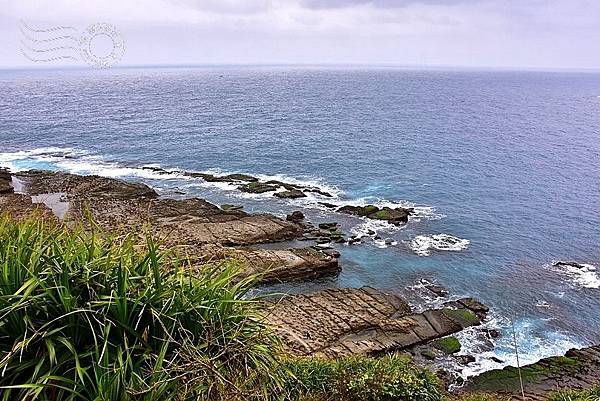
x: 576, y: 265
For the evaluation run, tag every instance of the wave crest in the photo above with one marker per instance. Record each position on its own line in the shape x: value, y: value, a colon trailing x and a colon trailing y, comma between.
x: 424, y: 244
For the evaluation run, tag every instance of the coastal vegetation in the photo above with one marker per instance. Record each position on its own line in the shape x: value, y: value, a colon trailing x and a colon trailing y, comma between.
x: 86, y: 315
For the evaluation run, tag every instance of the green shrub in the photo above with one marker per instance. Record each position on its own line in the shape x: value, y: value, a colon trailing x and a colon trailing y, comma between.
x: 85, y: 316
x: 360, y: 379
x: 592, y: 394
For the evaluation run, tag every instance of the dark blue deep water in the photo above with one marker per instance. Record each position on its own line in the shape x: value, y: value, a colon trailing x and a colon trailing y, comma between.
x: 508, y: 161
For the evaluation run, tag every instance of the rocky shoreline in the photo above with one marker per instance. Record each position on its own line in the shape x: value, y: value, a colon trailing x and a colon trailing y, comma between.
x: 577, y: 369
x: 330, y: 323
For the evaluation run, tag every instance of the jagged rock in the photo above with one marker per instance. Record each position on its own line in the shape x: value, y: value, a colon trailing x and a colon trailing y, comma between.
x: 319, y: 191
x: 358, y: 210
x: 328, y: 205
x: 155, y: 169
x: 492, y: 333
x: 393, y: 216
x: 332, y: 252
x: 193, y: 225
x: 436, y: 289
x: 284, y: 185
x: 562, y: 263
x: 5, y: 174
x: 358, y: 321
x: 578, y: 369
x: 296, y: 216
x: 5, y: 182
x: 291, y: 194
x: 274, y: 265
x: 257, y: 188
x: 239, y: 177
x: 465, y: 359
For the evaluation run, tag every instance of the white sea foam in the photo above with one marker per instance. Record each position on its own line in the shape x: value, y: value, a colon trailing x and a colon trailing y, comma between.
x: 580, y: 274
x: 7, y: 159
x: 423, y: 299
x: 368, y: 226
x: 82, y: 162
x: 497, y: 353
x: 78, y: 162
x: 423, y: 244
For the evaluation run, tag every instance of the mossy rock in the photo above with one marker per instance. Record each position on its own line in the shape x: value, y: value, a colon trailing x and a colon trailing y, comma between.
x: 464, y: 317
x: 239, y: 177
x: 507, y: 379
x: 380, y: 215
x: 395, y: 216
x: 448, y: 345
x: 359, y: 210
x: 257, y: 188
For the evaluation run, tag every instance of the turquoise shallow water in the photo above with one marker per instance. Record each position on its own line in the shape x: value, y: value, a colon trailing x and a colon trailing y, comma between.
x: 508, y: 161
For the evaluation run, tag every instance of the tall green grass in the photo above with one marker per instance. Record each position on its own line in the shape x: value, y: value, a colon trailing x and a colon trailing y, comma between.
x: 86, y: 316
x: 360, y: 378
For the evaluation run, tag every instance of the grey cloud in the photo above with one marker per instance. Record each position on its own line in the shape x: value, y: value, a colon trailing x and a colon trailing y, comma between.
x: 324, y: 4
x: 233, y: 7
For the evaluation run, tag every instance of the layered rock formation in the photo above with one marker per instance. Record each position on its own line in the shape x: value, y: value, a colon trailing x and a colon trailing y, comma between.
x: 341, y: 322
x: 196, y: 227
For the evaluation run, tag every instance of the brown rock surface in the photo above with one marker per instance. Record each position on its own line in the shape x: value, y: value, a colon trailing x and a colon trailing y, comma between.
x: 5, y: 182
x: 276, y: 265
x: 201, y: 229
x: 20, y: 206
x: 340, y: 322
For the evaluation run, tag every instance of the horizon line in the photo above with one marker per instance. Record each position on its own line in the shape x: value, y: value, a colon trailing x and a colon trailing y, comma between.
x: 311, y: 65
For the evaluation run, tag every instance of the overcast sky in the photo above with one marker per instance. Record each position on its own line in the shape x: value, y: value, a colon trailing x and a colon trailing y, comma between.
x: 472, y: 33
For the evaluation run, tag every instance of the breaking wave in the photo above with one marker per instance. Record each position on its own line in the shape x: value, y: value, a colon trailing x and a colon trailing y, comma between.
x: 423, y: 244
x: 580, y: 274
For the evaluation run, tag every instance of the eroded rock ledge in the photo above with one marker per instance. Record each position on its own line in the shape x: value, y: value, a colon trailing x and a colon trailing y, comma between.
x: 578, y: 369
x: 200, y: 229
x: 339, y: 322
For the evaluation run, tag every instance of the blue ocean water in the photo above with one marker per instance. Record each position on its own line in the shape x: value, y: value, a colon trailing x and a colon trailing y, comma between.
x: 508, y: 161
